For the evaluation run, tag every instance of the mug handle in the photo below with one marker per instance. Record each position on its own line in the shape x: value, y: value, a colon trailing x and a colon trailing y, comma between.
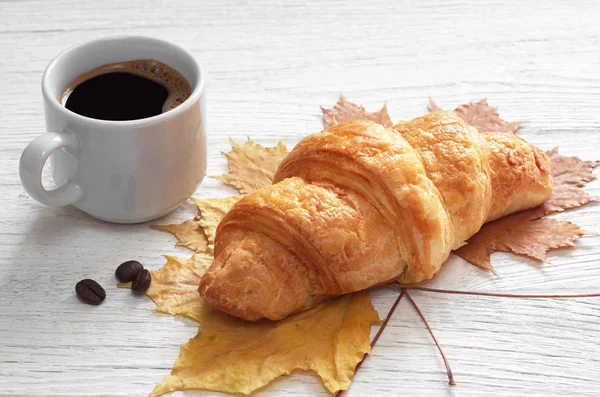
x: 32, y: 163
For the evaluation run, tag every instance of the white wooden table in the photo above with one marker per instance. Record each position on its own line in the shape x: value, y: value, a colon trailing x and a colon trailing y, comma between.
x: 271, y: 64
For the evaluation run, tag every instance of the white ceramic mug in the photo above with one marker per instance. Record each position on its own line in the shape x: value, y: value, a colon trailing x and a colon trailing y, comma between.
x: 119, y: 171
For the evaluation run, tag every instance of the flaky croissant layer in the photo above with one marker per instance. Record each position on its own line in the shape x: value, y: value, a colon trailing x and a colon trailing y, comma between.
x: 358, y: 205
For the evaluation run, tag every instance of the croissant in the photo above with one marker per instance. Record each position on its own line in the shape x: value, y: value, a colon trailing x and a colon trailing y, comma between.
x: 358, y: 205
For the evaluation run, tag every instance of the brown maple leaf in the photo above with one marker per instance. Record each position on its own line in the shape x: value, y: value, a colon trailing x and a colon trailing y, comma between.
x: 565, y: 197
x: 481, y: 116
x: 521, y: 234
x: 252, y: 166
x: 529, y: 233
x: 344, y: 110
x: 569, y: 174
x: 571, y: 170
x: 433, y: 107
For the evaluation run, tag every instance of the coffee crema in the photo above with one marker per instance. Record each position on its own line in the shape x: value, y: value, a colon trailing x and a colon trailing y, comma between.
x: 128, y: 90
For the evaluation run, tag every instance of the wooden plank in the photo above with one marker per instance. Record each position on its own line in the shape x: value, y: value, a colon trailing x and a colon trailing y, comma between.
x: 270, y: 66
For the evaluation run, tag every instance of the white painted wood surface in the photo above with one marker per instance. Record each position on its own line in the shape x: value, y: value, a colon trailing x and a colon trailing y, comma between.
x: 271, y: 64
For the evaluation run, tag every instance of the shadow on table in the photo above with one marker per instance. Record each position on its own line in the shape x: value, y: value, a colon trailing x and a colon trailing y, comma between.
x: 47, y: 246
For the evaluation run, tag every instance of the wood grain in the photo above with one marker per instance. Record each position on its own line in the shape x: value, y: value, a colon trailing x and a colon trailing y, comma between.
x: 270, y: 66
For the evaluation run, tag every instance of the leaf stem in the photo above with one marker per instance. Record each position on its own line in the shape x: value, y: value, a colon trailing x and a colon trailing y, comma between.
x: 404, y: 291
x: 451, y: 381
x: 500, y: 295
x: 379, y: 332
x: 385, y: 321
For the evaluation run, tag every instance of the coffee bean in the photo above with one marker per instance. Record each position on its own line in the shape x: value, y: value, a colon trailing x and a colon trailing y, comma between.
x: 127, y: 271
x: 90, y: 292
x: 141, y: 282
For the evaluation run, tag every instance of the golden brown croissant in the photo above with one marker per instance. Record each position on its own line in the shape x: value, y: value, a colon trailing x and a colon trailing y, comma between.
x: 358, y: 205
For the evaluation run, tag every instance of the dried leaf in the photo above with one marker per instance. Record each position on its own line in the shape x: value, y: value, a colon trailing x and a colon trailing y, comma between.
x: 520, y: 234
x: 174, y: 287
x: 189, y: 234
x: 527, y: 233
x: 235, y: 356
x: 565, y: 197
x: 481, y: 116
x: 211, y: 213
x: 433, y: 107
x: 571, y: 170
x: 569, y: 174
x: 252, y: 166
x: 345, y: 110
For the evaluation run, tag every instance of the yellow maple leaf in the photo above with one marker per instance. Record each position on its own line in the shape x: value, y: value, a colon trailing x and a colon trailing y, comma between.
x: 211, y: 212
x: 252, y: 166
x: 198, y: 234
x: 189, y: 234
x: 231, y: 355
x: 174, y: 287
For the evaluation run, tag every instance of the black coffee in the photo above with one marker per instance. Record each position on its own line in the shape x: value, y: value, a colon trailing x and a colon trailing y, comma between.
x: 129, y: 90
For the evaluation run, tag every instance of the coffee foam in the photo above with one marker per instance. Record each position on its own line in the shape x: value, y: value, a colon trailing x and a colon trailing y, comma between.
x: 177, y: 85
